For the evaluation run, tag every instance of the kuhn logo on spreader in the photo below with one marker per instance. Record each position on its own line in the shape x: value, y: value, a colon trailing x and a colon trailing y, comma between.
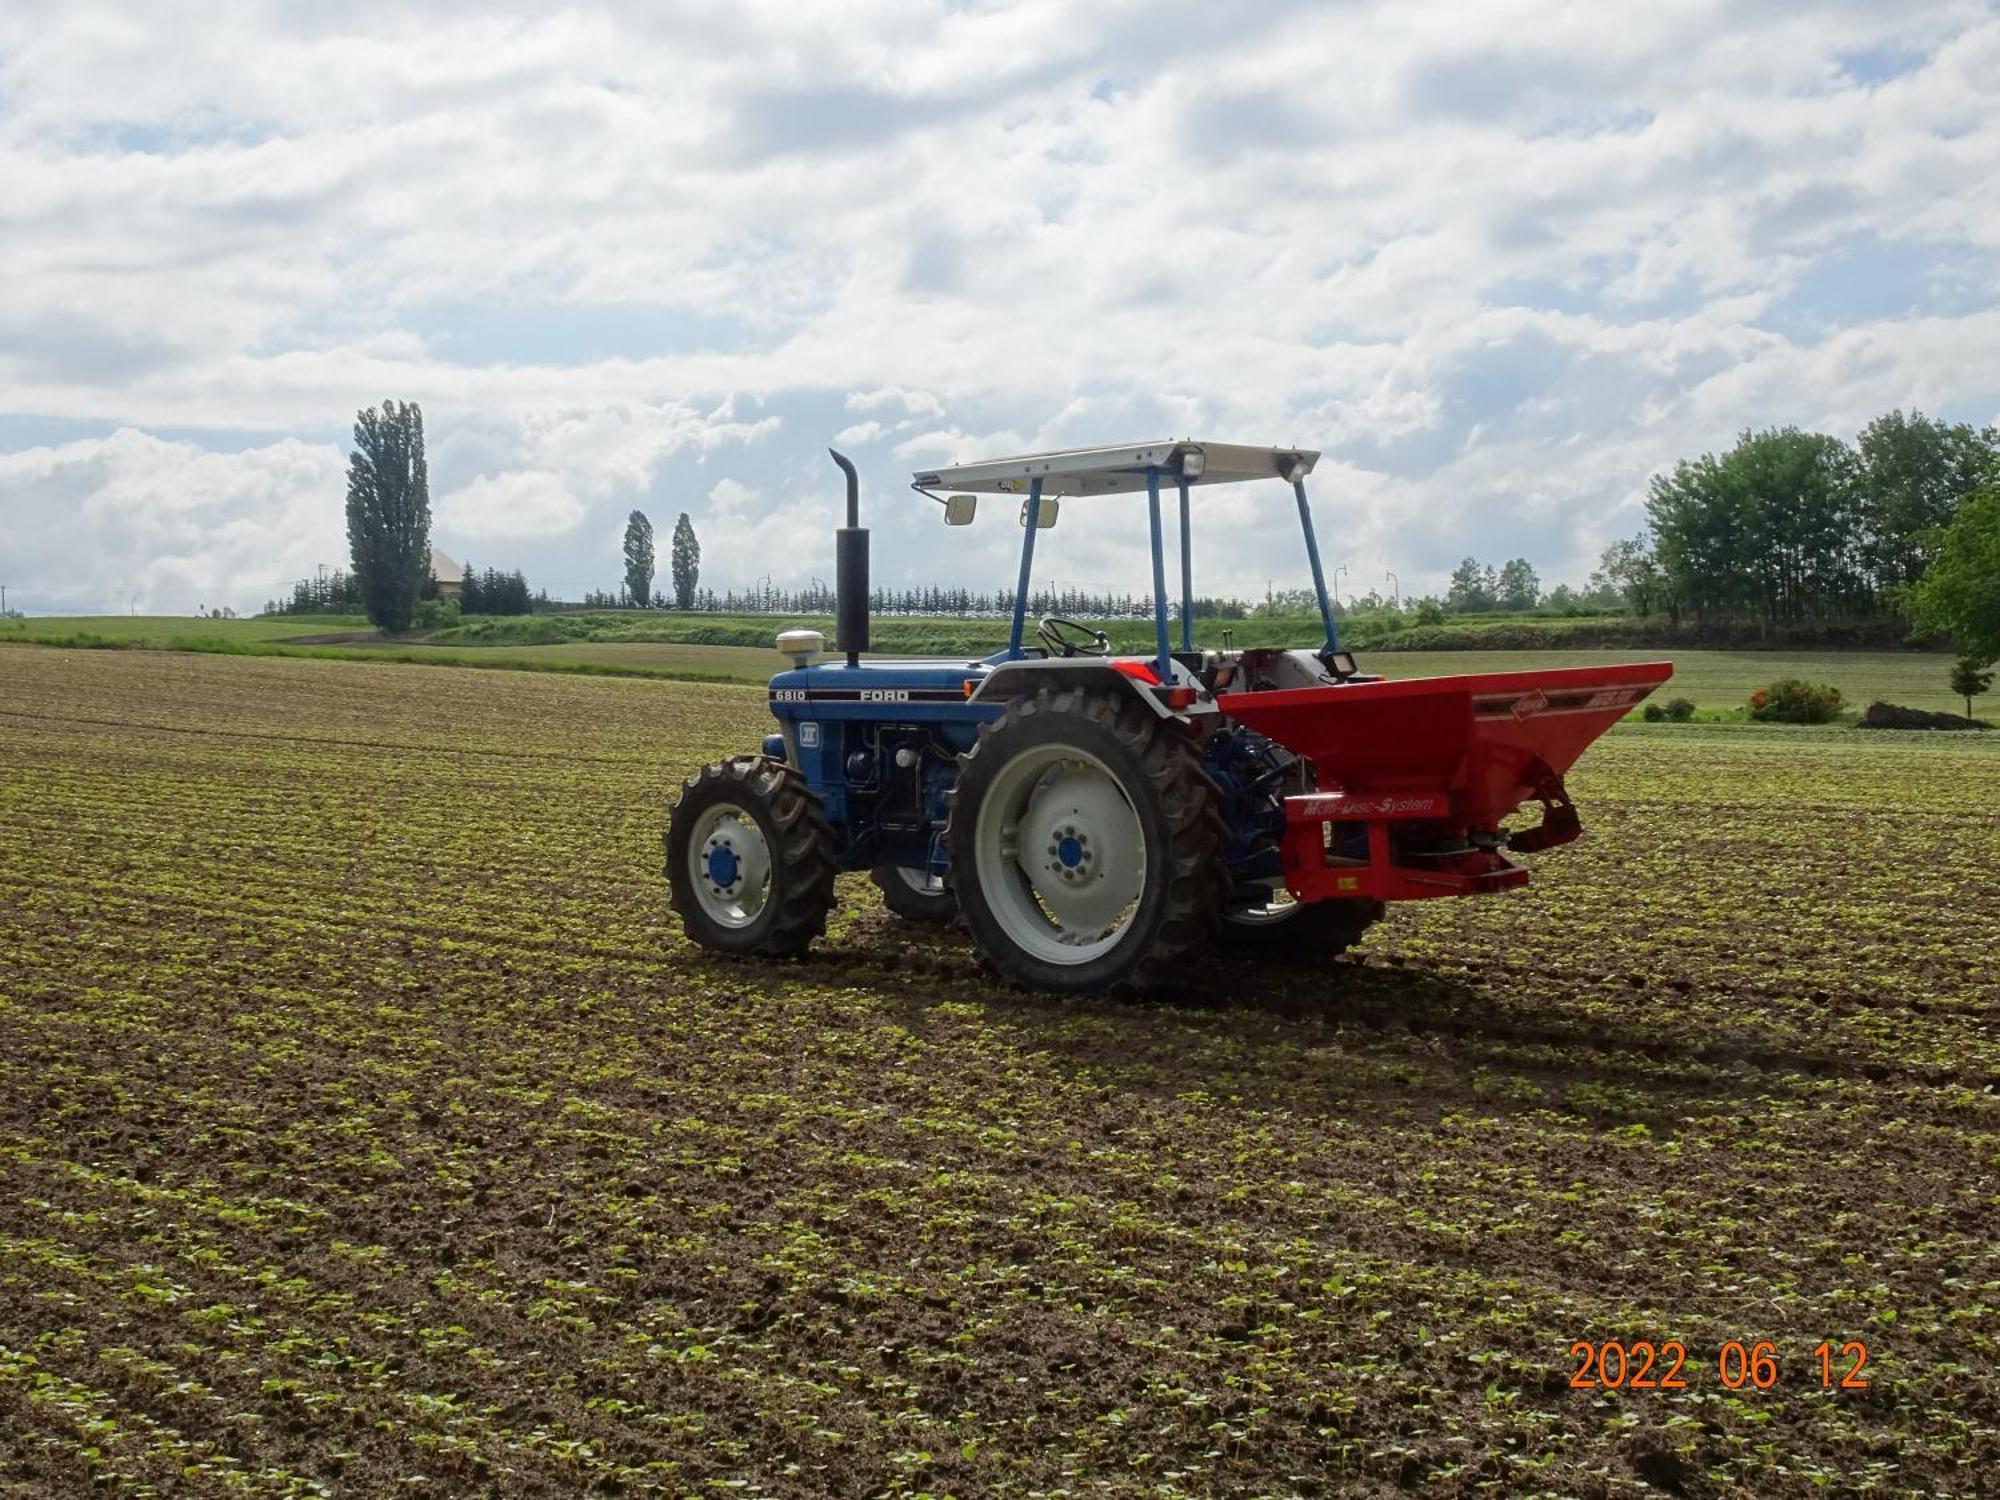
x: 1326, y: 806
x: 1530, y: 704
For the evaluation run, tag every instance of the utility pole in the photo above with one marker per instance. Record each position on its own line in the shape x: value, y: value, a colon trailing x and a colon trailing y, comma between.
x: 1396, y: 587
x: 1336, y: 581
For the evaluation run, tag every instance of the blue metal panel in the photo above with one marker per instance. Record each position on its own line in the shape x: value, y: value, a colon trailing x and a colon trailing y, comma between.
x: 1312, y: 556
x: 1187, y: 575
x: 1164, y: 665
x: 830, y: 709
x: 1027, y: 567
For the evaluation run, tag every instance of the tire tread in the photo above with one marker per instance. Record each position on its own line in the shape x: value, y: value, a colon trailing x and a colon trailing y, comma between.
x: 1196, y: 835
x: 804, y: 861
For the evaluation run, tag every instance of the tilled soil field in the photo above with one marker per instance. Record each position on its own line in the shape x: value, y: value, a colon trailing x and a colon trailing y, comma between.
x: 367, y: 1127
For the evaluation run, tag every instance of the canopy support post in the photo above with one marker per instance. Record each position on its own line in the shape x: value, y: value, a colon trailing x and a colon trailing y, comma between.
x: 1034, y: 521
x: 1187, y: 575
x: 1312, y: 556
x: 1164, y: 666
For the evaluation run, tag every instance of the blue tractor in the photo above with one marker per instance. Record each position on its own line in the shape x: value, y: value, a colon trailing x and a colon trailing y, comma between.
x: 1094, y: 820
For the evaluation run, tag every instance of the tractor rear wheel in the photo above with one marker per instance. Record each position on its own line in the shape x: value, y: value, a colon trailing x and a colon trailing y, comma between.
x: 750, y: 858
x: 1085, y: 843
x: 915, y: 895
x: 1284, y: 928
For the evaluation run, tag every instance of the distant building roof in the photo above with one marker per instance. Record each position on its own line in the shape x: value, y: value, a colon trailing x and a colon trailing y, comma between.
x: 444, y: 569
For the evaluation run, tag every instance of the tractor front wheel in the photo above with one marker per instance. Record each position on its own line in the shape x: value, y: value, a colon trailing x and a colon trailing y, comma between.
x: 750, y: 858
x: 1280, y: 927
x: 1085, y: 844
x: 916, y: 895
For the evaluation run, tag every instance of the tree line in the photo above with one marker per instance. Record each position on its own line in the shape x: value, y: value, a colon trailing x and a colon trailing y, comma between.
x: 496, y: 593
x: 1788, y: 527
x: 1792, y: 527
x: 942, y: 601
x: 336, y: 593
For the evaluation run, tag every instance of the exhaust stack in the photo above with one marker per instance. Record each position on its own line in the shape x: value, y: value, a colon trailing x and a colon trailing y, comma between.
x: 850, y: 579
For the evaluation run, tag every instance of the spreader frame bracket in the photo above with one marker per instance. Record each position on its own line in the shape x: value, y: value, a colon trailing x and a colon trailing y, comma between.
x: 1312, y: 874
x: 1560, y: 823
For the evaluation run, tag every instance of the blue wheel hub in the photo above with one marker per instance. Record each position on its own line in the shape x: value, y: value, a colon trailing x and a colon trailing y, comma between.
x: 722, y: 866
x: 1070, y: 851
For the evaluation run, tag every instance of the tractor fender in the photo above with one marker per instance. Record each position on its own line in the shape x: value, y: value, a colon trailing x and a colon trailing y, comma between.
x: 1011, y: 678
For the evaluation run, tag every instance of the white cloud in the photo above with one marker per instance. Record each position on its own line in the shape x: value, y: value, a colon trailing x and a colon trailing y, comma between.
x: 747, y: 535
x: 521, y: 505
x: 912, y: 403
x: 1500, y: 259
x: 129, y: 521
x: 731, y: 497
x: 618, y: 448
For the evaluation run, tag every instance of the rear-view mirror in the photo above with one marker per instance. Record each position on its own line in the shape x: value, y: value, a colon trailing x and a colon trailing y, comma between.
x: 959, y: 509
x: 1045, y: 512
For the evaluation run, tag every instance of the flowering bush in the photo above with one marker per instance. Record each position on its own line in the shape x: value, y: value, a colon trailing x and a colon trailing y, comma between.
x: 1795, y: 701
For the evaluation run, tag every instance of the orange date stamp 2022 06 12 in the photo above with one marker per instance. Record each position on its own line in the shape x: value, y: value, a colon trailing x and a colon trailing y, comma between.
x: 1644, y: 1365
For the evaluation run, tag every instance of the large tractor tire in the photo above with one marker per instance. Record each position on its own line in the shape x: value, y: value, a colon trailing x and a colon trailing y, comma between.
x: 1085, y: 844
x: 915, y: 896
x: 751, y: 858
x: 1284, y: 928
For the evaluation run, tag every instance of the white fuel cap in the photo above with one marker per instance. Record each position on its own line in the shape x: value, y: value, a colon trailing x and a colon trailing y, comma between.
x: 801, y: 645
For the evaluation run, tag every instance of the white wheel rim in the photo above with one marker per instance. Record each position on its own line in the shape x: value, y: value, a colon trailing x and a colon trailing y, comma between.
x: 731, y: 865
x: 921, y: 881
x: 1061, y: 855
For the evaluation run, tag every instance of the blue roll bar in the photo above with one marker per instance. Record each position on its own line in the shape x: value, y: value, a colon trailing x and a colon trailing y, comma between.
x: 1034, y: 518
x: 1312, y: 556
x: 1163, y: 661
x: 1164, y: 666
x: 1187, y: 574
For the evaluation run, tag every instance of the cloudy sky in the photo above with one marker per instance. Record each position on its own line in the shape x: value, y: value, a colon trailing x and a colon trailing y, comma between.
x: 1500, y: 260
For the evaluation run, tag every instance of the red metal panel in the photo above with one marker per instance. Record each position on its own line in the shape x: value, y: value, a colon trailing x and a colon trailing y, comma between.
x: 1491, y: 738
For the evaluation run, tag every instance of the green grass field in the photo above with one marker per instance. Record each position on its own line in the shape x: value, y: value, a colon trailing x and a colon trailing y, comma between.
x: 1717, y: 681
x: 1713, y: 679
x: 173, y: 632
x: 1726, y: 679
x: 298, y: 635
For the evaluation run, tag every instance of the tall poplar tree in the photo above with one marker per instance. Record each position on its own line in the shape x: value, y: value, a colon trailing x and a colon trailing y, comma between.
x: 389, y: 512
x: 639, y: 559
x: 686, y: 563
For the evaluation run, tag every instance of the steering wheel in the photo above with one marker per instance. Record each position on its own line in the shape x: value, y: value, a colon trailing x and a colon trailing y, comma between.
x: 1051, y: 630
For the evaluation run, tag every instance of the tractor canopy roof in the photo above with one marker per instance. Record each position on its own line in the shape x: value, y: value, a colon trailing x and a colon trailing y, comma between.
x: 1123, y: 469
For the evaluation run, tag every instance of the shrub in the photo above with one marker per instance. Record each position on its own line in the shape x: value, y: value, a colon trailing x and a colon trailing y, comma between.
x: 435, y: 614
x: 1654, y: 714
x: 1795, y: 701
x: 1680, y: 710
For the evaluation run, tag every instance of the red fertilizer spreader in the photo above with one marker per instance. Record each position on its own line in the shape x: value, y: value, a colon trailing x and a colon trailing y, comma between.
x: 1415, y: 777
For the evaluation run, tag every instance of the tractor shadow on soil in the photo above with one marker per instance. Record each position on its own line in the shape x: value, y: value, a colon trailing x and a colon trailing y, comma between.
x: 1318, y: 1037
